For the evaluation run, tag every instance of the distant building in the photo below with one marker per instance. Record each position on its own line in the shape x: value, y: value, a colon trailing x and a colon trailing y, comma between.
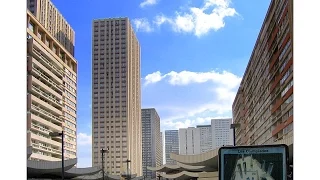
x: 151, y: 141
x: 205, y: 138
x: 189, y: 141
x: 171, y: 144
x: 222, y: 135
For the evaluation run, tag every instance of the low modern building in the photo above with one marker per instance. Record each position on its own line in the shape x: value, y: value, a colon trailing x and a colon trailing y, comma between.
x: 222, y: 135
x: 205, y: 138
x: 189, y: 141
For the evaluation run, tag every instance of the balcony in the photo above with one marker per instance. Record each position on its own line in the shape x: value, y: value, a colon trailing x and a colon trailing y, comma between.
x: 45, y: 122
x: 38, y: 65
x: 39, y: 137
x: 48, y: 97
x: 48, y: 53
x: 44, y: 157
x: 47, y: 63
x: 45, y: 86
x: 47, y: 149
x: 39, y: 128
x: 39, y: 75
x: 45, y: 113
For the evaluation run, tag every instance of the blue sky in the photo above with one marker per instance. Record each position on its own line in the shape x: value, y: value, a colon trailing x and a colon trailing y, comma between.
x: 194, y: 53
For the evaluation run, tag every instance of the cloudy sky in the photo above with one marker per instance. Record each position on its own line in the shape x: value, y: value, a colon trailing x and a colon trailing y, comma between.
x: 194, y: 53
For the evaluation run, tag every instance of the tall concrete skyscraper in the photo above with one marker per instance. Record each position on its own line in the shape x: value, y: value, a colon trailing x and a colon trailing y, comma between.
x: 189, y: 141
x: 161, y: 136
x: 205, y: 138
x: 171, y: 144
x: 51, y: 84
x: 222, y: 135
x: 116, y: 100
x: 151, y: 141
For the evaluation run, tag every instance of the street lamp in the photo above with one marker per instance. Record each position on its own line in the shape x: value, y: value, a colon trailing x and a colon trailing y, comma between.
x: 55, y: 134
x: 102, y: 152
x: 128, y: 176
x: 234, y: 126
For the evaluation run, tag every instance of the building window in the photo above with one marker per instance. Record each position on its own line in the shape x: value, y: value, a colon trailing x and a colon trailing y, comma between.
x: 31, y: 26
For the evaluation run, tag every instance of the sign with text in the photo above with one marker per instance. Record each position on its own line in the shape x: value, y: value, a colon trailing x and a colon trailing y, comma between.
x: 265, y: 162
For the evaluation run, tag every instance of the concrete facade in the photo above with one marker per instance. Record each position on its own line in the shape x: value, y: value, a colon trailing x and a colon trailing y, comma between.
x: 51, y: 94
x: 205, y: 138
x: 116, y: 95
x: 222, y: 135
x: 189, y: 141
x: 264, y: 102
x: 171, y: 145
x: 53, y: 21
x: 151, y: 141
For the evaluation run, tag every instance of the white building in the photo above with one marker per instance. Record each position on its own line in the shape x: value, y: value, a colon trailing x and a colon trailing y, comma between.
x: 222, y: 135
x: 189, y: 141
x: 205, y: 138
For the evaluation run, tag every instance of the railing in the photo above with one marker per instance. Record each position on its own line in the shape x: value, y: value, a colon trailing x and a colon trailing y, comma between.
x: 60, y: 72
x: 50, y: 97
x: 46, y: 78
x: 40, y: 128
x: 46, y: 148
x: 45, y: 113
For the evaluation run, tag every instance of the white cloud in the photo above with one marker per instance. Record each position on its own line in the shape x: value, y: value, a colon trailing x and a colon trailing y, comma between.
x: 148, y: 3
x: 153, y: 78
x: 198, y: 20
x: 192, y: 122
x: 213, y: 98
x: 142, y: 24
x: 224, y: 78
x: 84, y: 139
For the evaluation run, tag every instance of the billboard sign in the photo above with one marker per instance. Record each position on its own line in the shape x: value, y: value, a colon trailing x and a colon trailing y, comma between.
x: 265, y: 162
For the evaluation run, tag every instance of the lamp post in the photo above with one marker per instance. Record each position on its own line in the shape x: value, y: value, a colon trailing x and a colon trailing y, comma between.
x: 234, y: 126
x: 102, y: 153
x: 128, y: 176
x: 55, y: 134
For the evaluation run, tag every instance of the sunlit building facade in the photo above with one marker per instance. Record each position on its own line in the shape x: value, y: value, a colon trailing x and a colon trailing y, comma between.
x: 116, y: 96
x: 51, y: 94
x: 264, y: 102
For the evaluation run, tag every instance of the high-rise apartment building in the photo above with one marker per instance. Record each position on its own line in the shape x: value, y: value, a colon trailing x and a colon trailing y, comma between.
x: 151, y: 141
x: 171, y: 144
x: 189, y: 141
x: 116, y: 100
x: 205, y: 138
x: 51, y: 93
x: 222, y: 135
x: 53, y: 21
x: 264, y: 102
x: 161, y: 151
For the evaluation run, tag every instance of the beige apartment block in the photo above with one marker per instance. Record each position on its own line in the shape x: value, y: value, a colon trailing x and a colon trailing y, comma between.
x: 264, y: 102
x: 51, y: 94
x: 53, y: 21
x: 151, y: 141
x: 116, y: 99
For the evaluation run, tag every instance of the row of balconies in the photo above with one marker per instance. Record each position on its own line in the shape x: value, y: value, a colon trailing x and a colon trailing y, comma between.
x: 47, y: 63
x: 45, y: 113
x: 41, y: 76
x: 51, y: 98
